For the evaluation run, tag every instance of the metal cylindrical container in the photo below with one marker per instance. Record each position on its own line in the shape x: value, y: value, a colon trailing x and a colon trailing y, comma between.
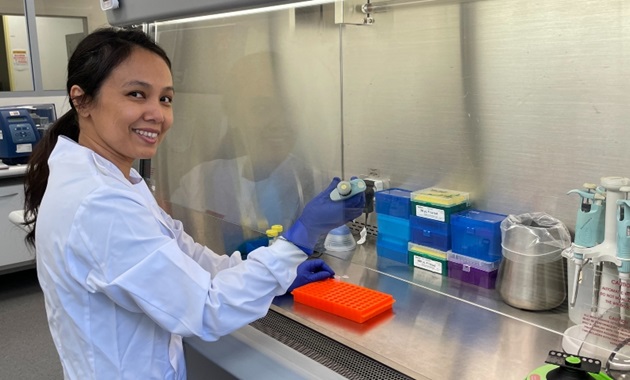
x: 532, y: 274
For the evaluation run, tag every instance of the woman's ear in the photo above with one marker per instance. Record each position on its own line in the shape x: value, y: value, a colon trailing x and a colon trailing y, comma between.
x: 76, y: 97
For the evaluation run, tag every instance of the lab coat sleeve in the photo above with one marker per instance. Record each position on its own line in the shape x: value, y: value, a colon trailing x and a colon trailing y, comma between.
x: 119, y: 248
x: 208, y: 259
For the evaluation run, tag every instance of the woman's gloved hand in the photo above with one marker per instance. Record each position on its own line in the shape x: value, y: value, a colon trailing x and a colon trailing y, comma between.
x: 321, y: 215
x: 311, y: 271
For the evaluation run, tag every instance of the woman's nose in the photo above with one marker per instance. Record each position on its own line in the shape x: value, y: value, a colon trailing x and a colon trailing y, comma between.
x: 155, y: 113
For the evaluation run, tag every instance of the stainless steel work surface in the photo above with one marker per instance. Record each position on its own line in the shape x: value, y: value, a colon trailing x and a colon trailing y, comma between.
x: 439, y: 328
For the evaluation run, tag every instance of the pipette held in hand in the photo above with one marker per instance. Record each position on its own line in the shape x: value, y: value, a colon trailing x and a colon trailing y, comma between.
x: 347, y: 189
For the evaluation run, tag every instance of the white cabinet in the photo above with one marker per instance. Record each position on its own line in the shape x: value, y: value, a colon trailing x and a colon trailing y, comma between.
x: 13, y: 250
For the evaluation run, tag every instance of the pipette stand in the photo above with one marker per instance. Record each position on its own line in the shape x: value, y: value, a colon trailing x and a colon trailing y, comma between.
x: 605, y: 261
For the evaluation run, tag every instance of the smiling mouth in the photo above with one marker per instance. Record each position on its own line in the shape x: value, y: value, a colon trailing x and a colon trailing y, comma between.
x: 151, y: 135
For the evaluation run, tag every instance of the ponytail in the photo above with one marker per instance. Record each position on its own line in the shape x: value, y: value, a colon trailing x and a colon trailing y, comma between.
x: 37, y: 172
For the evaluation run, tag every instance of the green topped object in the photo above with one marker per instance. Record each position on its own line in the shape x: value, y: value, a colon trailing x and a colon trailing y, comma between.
x: 562, y: 366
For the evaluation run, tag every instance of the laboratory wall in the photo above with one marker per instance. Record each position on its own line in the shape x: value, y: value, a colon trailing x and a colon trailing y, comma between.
x: 515, y: 101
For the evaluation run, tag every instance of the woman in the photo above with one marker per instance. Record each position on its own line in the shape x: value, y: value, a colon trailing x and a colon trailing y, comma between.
x: 122, y: 281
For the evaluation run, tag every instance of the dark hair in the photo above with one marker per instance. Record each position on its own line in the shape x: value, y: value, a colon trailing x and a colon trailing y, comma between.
x: 91, y: 63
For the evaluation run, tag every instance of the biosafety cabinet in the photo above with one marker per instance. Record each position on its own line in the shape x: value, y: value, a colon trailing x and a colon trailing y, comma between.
x: 515, y: 102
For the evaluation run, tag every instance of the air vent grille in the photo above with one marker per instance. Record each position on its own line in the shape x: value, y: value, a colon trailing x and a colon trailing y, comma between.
x: 340, y: 358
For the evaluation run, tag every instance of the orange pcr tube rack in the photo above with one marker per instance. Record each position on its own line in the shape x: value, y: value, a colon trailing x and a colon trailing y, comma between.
x: 350, y: 301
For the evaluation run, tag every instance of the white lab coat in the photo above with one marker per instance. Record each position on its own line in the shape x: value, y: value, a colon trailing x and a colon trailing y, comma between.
x: 123, y: 282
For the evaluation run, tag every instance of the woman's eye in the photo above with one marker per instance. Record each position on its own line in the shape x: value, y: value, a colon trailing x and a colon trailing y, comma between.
x: 136, y: 94
x: 167, y: 99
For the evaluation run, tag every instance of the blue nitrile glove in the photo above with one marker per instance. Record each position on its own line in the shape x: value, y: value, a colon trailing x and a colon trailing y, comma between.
x: 311, y: 271
x: 321, y: 215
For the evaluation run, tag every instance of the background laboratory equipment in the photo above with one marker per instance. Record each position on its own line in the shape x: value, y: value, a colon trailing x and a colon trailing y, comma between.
x: 21, y: 127
x: 19, y: 135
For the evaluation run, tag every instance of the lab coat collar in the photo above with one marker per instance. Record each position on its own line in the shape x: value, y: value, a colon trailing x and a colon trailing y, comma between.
x: 102, y: 164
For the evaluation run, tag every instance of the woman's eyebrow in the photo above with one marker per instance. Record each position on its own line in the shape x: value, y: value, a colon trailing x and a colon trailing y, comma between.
x: 137, y: 83
x: 145, y: 85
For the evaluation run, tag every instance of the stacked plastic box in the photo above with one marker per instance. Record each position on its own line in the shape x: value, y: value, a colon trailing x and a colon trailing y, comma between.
x: 431, y: 211
x: 428, y: 259
x: 476, y: 247
x: 430, y: 225
x: 392, y: 218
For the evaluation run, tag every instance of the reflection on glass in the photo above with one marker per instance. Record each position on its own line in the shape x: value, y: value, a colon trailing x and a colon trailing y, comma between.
x: 253, y: 136
x: 254, y: 181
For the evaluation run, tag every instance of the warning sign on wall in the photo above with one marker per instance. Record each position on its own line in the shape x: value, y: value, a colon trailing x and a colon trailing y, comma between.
x: 20, y: 59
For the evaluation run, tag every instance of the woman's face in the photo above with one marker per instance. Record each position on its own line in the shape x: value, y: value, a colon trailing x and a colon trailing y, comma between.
x: 131, y: 112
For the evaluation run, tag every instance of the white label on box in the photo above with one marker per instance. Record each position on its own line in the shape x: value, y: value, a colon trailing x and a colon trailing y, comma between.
x: 430, y: 265
x: 23, y: 148
x: 430, y: 213
x: 465, y: 268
